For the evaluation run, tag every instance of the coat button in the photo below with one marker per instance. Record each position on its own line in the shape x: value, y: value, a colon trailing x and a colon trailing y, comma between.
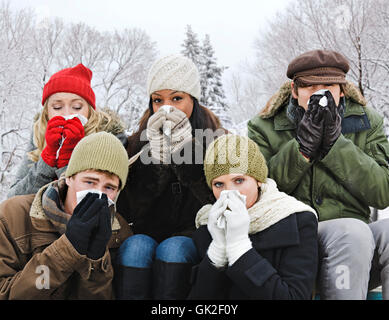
x: 319, y: 200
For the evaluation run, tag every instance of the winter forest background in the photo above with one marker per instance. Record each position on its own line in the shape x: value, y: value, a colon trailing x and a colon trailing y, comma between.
x: 31, y: 51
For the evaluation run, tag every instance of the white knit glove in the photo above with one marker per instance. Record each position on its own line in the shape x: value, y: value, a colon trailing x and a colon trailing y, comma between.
x: 157, y: 140
x: 181, y: 130
x: 167, y: 131
x: 217, y: 248
x: 237, y: 229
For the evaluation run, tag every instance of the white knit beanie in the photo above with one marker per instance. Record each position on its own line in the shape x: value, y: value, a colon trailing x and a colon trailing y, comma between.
x: 174, y: 72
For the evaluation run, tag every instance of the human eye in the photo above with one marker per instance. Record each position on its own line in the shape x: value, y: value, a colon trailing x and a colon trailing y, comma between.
x: 157, y: 100
x: 239, y: 180
x: 77, y: 106
x: 89, y: 182
x: 218, y: 184
x: 110, y: 188
x: 177, y: 98
x: 57, y: 106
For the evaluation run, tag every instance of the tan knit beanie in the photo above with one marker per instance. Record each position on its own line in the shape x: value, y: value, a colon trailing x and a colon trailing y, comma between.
x: 234, y: 154
x: 174, y: 72
x: 99, y: 151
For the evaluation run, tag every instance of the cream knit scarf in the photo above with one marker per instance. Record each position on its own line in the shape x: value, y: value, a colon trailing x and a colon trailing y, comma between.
x: 272, y: 207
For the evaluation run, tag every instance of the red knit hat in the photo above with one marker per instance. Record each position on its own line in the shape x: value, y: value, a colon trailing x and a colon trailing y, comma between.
x: 75, y: 80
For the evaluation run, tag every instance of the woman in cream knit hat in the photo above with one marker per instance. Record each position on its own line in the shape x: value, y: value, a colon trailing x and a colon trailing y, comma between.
x: 164, y: 193
x: 255, y: 242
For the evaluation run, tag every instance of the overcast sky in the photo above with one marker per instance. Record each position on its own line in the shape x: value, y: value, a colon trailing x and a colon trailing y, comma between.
x: 231, y: 24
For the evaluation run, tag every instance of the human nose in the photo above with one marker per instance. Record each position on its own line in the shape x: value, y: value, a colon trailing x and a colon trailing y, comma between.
x: 67, y: 110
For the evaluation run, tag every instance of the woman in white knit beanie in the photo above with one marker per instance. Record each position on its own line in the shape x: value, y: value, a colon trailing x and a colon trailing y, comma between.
x: 163, y: 195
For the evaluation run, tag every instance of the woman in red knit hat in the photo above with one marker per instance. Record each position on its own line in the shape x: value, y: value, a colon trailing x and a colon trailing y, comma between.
x: 69, y: 113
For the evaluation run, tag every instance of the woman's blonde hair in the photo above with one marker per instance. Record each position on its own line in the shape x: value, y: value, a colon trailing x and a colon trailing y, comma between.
x: 98, y: 120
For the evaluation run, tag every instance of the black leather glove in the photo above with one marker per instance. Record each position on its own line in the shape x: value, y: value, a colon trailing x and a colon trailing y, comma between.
x: 83, y: 221
x: 102, y: 233
x: 332, y: 125
x: 310, y: 129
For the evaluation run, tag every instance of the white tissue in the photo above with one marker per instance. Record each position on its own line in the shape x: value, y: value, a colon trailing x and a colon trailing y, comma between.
x: 167, y: 126
x: 167, y: 108
x: 224, y: 195
x: 71, y: 116
x: 79, y: 116
x: 323, y: 101
x: 81, y: 195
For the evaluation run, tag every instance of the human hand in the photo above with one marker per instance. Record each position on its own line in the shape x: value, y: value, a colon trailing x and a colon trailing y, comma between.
x: 217, y: 249
x: 53, y: 137
x: 310, y: 128
x: 237, y: 228
x: 73, y: 132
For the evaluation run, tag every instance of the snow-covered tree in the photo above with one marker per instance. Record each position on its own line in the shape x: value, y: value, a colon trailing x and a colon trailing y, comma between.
x: 31, y: 51
x: 359, y: 29
x: 191, y: 46
x: 212, y: 92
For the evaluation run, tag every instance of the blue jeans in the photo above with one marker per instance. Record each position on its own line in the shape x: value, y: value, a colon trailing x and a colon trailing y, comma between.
x: 140, y: 250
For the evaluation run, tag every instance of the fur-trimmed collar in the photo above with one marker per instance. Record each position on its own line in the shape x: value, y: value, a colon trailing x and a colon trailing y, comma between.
x: 283, y: 95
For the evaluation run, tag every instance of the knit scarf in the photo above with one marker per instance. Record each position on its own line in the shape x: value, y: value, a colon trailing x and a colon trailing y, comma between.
x: 49, y: 205
x: 271, y: 207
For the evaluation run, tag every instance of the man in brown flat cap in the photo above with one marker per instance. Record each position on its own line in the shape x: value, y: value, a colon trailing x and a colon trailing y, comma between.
x: 327, y: 148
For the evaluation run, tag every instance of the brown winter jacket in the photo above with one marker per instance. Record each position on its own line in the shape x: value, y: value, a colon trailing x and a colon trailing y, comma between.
x: 31, y: 245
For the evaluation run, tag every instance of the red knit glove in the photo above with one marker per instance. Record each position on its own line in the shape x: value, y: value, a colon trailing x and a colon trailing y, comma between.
x: 53, y: 136
x: 73, y: 133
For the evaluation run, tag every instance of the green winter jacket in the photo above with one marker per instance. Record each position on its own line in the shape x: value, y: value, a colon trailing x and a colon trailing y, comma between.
x: 351, y: 178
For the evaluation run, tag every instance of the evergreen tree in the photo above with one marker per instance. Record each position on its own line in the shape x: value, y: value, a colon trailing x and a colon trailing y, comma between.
x: 212, y: 92
x: 191, y: 46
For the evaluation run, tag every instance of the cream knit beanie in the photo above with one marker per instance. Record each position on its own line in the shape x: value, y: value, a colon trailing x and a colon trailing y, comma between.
x: 174, y: 72
x: 99, y: 151
x: 234, y: 154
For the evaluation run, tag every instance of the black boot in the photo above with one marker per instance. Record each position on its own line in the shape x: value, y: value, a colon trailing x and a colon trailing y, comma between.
x: 133, y: 283
x: 171, y: 281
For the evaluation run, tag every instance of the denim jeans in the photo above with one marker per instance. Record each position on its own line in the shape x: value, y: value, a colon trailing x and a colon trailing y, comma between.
x: 140, y: 250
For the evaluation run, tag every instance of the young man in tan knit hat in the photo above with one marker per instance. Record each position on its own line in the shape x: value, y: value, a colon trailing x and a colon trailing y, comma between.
x: 54, y: 245
x: 327, y: 148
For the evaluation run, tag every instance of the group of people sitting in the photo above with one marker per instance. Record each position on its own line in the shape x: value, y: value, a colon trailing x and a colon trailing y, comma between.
x: 184, y: 209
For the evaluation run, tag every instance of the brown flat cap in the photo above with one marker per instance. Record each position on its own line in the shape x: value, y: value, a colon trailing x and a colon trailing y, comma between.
x: 319, y: 67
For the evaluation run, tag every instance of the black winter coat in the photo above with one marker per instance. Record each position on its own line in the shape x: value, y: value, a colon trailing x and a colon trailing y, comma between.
x: 282, y: 264
x: 162, y: 200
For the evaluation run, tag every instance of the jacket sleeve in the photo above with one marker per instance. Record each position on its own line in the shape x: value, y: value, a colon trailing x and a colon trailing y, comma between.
x: 32, y: 176
x: 286, y: 165
x: 208, y: 282
x: 296, y: 275
x: 95, y: 282
x: 365, y: 174
x: 42, y: 275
